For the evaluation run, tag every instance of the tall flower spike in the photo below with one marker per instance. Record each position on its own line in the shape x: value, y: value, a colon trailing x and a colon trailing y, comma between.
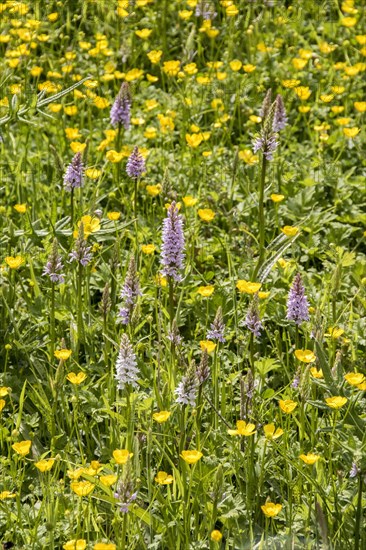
x: 125, y: 493
x: 266, y: 140
x: 81, y: 252
x: 266, y: 105
x: 252, y: 320
x: 203, y: 370
x: 127, y: 371
x: 217, y: 328
x: 121, y: 108
x: 105, y: 303
x: 186, y: 390
x: 74, y: 173
x: 135, y: 164
x: 205, y: 9
x: 130, y: 292
x: 174, y: 335
x: 297, y: 302
x: 54, y: 265
x: 280, y: 117
x: 172, y: 254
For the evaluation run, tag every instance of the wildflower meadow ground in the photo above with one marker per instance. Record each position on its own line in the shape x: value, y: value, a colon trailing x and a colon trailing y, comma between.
x: 183, y: 274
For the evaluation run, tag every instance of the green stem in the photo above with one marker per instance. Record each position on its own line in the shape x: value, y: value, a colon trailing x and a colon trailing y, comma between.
x: 72, y: 207
x: 171, y: 301
x: 262, y: 181
x: 80, y: 309
x: 358, y: 514
x: 52, y: 322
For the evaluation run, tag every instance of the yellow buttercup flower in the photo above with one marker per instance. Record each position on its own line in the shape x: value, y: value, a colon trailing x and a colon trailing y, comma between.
x: 290, y: 83
x: 354, y: 378
x: 271, y: 510
x: 326, y: 98
x: 207, y: 345
x: 148, y: 248
x: 302, y: 92
x: 21, y: 208
x: 190, y: 68
x: 305, y: 355
x: 248, y: 287
x: 14, y: 262
x: 4, y: 391
x: 343, y: 121
x: 315, y: 373
x: 232, y: 10
x: 143, y: 33
x: 299, y: 63
x: 348, y: 21
x: 72, y: 133
x: 290, y: 230
x: 76, y: 379
x: 215, y: 535
x: 335, y: 332
x: 360, y: 106
x: 2, y: 404
x: 71, y: 110
x: 338, y: 89
x: 22, y: 448
x: 77, y: 147
x: 7, y: 494
x: 194, y: 140
x: 108, y: 480
x: 277, y: 198
x: 248, y: 157
x: 191, y: 457
x: 185, y: 14
x: 163, y: 478
x: 154, y: 56
x: 101, y: 102
x: 171, y: 68
x: 189, y: 201
x: 75, y: 474
x: 242, y: 428
x: 45, y: 465
x: 271, y: 432
x: 154, y: 190
x: 206, y: 214
x: 161, y: 280
x: 113, y: 156
x: 91, y: 225
x: 249, y: 68
x: 82, y: 488
x: 206, y: 291
x: 114, y: 216
x: 75, y: 544
x: 63, y: 354
x: 150, y: 132
x: 235, y: 65
x: 287, y: 405
x: 161, y: 416
x: 133, y: 74
x: 121, y: 456
x: 351, y: 132
x: 336, y: 402
x: 337, y: 109
x: 310, y: 458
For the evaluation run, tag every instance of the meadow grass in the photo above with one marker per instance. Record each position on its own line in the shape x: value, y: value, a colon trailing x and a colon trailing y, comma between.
x: 183, y: 274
